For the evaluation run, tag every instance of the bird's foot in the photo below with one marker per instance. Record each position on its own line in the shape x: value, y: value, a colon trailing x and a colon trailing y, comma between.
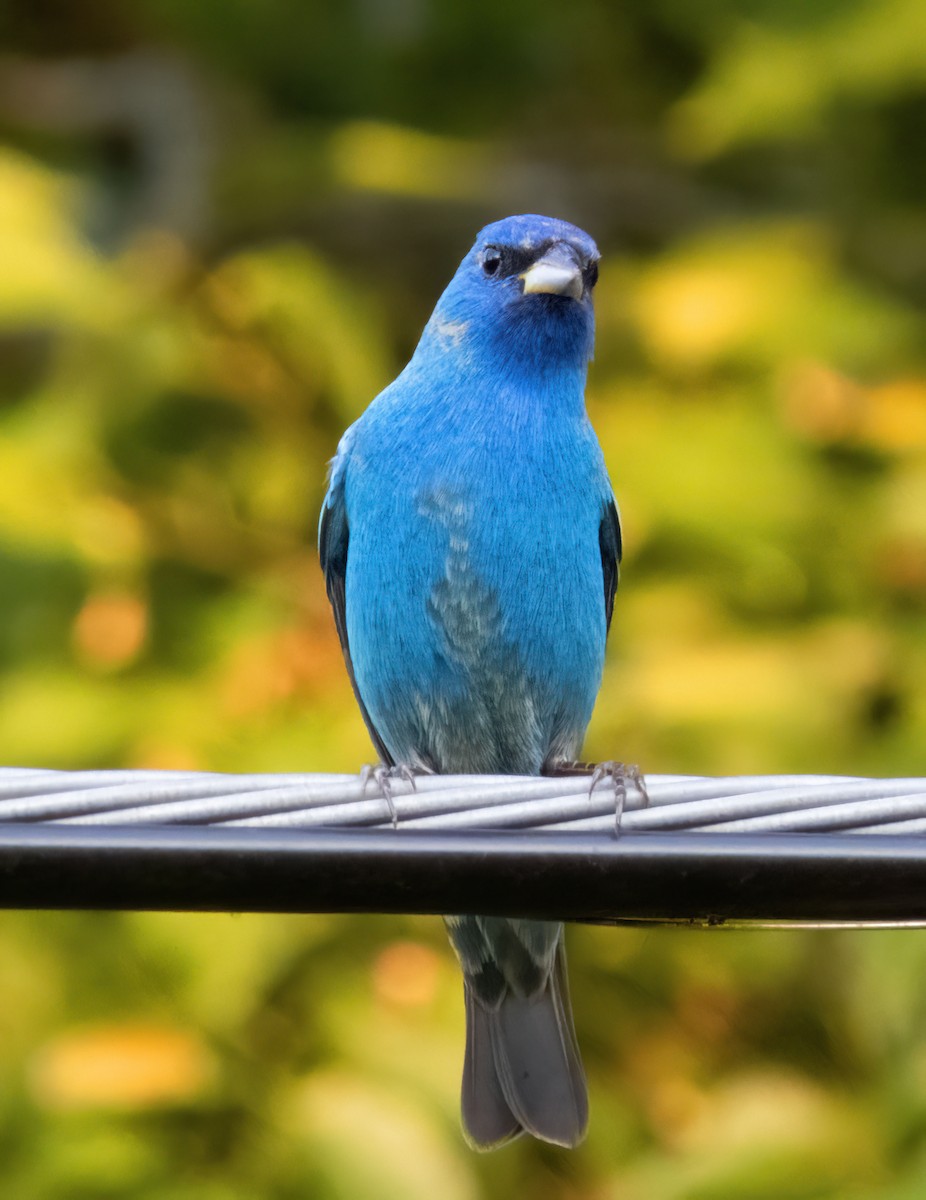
x: 620, y: 774
x: 384, y: 777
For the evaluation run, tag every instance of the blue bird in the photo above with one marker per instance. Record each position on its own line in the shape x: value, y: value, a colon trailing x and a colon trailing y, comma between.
x: 470, y: 543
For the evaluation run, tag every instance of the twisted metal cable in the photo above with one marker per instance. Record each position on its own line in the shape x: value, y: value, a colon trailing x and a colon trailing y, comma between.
x: 729, y: 804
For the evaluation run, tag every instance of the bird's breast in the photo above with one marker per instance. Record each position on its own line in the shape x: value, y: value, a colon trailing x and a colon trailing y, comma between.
x: 475, y: 596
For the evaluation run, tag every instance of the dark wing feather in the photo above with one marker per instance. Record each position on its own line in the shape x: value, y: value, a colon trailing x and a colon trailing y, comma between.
x: 609, y: 542
x: 333, y: 539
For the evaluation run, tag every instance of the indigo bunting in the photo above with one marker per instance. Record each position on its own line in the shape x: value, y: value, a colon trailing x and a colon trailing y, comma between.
x: 470, y: 543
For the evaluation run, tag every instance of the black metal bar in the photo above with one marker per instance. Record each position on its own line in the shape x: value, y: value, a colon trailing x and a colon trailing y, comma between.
x: 679, y: 877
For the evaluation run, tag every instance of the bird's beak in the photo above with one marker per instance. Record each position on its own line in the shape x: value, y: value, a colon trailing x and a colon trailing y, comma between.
x: 557, y: 273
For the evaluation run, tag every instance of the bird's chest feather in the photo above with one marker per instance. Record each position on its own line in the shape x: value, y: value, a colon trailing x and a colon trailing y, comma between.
x: 474, y: 560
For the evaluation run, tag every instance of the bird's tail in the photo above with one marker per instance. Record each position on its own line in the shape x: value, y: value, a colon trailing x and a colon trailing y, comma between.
x: 522, y: 1072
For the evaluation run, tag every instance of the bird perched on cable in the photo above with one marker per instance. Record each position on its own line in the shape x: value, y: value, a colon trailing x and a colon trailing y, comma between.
x: 470, y: 543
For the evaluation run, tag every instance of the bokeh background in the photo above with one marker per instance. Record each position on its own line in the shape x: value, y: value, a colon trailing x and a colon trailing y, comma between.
x: 222, y: 226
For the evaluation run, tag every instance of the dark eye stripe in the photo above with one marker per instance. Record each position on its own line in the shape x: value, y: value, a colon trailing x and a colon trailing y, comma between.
x: 503, y: 261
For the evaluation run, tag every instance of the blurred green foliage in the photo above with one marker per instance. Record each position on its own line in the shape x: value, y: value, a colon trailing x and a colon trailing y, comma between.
x: 221, y: 228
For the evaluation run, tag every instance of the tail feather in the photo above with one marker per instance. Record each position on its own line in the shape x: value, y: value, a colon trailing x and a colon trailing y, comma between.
x: 522, y: 1070
x: 487, y: 1117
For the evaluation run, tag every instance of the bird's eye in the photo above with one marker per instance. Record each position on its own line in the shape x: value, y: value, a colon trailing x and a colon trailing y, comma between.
x: 591, y: 275
x: 491, y: 261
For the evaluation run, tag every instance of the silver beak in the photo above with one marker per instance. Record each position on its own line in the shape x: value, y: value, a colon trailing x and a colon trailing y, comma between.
x: 556, y: 274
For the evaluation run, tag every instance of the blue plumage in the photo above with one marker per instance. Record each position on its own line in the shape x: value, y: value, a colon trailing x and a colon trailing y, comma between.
x: 471, y: 545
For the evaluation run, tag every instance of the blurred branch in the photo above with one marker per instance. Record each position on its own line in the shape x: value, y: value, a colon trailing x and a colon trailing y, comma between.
x: 151, y: 100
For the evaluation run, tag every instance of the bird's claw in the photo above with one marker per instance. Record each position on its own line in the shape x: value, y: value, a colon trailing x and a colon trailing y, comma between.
x: 621, y: 774
x: 384, y: 777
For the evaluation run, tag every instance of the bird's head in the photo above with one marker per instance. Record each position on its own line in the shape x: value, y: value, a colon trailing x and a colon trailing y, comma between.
x: 524, y: 291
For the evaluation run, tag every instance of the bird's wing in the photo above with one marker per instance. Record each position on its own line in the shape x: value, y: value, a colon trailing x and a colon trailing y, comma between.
x: 333, y: 542
x: 609, y: 542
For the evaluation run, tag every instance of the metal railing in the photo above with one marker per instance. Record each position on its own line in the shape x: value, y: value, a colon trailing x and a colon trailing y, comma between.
x: 794, y: 849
